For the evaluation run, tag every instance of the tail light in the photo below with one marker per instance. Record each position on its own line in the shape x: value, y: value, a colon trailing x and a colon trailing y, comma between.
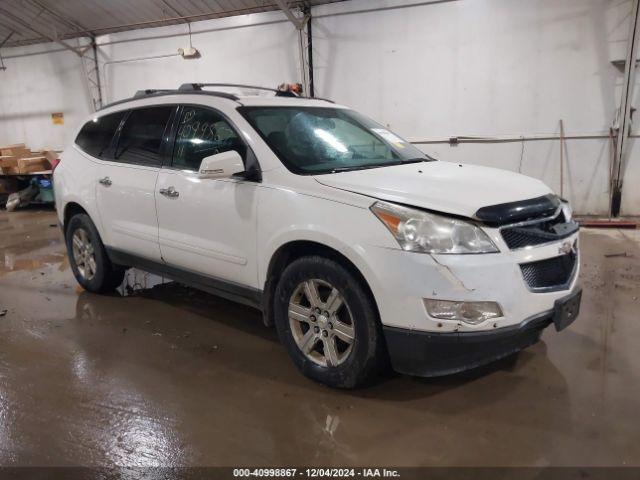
x: 54, y: 164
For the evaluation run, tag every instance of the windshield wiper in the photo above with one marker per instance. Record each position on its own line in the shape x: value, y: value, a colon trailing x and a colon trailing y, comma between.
x: 360, y: 167
x: 378, y: 165
x: 413, y: 160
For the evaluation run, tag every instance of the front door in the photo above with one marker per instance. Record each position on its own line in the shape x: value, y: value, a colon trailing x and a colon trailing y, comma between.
x: 207, y: 226
x: 126, y: 184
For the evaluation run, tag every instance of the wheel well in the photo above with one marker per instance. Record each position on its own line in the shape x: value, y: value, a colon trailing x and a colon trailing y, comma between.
x: 291, y: 251
x: 70, y: 210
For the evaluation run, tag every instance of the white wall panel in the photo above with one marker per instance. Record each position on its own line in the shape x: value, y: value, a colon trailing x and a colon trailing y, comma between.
x: 258, y: 49
x: 34, y: 86
x: 488, y: 68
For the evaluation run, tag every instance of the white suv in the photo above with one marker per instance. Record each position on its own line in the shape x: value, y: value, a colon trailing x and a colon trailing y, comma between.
x: 360, y: 248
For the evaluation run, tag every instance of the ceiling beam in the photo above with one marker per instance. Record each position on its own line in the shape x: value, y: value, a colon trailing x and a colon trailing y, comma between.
x: 172, y: 8
x: 299, y: 22
x: 92, y: 32
x: 6, y: 39
x: 51, y: 38
x: 61, y: 18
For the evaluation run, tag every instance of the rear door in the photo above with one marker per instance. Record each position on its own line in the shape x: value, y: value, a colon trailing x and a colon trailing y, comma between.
x: 127, y: 179
x: 207, y: 226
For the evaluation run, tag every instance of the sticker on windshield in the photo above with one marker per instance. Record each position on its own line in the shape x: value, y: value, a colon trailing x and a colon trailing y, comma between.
x: 388, y: 136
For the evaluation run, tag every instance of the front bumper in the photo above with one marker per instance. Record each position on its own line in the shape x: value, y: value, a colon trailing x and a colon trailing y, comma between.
x: 400, y: 281
x: 432, y: 354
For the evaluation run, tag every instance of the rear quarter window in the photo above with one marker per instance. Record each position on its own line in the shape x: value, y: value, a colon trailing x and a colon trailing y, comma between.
x: 141, y: 136
x: 95, y: 136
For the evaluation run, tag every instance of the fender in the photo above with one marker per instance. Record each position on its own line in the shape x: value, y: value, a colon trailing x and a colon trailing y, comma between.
x: 79, y: 174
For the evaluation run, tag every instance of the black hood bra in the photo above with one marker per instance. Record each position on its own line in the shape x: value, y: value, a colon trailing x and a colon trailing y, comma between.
x: 522, y: 210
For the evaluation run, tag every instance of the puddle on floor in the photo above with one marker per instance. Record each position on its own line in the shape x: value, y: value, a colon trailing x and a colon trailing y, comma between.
x: 13, y: 262
x: 136, y: 281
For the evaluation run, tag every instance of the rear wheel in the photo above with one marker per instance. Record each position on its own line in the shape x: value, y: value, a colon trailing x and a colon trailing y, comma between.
x: 328, y: 323
x: 89, y: 261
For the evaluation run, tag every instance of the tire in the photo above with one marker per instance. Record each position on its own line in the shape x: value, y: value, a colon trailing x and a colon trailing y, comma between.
x: 345, y: 365
x: 89, y: 261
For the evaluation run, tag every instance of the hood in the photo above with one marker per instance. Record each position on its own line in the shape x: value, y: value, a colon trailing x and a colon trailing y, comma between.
x: 440, y: 186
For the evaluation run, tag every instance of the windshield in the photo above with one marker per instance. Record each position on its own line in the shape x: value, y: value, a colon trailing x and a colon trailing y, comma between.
x: 313, y: 140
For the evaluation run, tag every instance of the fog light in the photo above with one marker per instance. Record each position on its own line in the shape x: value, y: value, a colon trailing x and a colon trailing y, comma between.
x: 468, y: 312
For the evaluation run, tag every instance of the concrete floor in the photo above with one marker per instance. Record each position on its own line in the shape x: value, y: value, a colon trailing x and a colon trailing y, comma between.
x: 170, y: 376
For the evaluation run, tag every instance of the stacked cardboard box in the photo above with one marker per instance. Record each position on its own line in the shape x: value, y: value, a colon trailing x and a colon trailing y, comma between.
x: 19, y: 160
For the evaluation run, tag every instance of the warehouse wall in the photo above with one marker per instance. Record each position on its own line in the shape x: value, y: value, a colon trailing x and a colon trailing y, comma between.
x: 259, y: 49
x: 34, y: 85
x: 42, y: 79
x: 494, y: 68
x: 430, y: 70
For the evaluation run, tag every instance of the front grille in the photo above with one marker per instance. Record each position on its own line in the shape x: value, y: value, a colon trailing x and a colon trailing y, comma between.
x: 546, y: 231
x: 517, y: 238
x: 550, y: 273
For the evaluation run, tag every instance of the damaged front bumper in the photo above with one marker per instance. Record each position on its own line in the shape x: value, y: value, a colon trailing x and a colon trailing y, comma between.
x: 431, y: 354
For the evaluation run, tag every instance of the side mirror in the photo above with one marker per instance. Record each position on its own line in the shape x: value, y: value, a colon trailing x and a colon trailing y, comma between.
x: 221, y: 165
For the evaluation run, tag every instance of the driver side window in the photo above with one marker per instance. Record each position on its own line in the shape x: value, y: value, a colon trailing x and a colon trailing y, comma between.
x: 202, y: 133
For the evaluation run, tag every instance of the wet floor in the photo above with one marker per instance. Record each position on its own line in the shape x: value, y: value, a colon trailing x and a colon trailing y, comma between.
x: 171, y: 376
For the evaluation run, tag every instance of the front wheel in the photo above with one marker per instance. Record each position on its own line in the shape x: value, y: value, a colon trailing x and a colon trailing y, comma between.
x: 328, y: 323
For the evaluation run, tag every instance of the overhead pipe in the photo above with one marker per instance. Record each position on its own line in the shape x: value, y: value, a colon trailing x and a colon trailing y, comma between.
x: 510, y: 139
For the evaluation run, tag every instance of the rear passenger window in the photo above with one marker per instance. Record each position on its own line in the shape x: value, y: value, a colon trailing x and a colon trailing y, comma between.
x: 141, y: 136
x: 94, y: 138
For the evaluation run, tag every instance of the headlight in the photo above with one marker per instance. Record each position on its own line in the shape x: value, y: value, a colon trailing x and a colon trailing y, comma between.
x: 418, y: 231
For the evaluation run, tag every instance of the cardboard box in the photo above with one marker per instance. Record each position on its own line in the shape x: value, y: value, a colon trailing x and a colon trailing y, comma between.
x: 28, y: 160
x: 16, y: 152
x: 15, y: 145
x: 8, y: 161
x: 33, y: 164
x: 34, y: 169
x: 52, y: 155
x: 18, y: 159
x: 10, y: 170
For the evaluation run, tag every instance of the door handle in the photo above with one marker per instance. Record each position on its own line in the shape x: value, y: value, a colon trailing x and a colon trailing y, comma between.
x: 106, y: 181
x: 169, y: 192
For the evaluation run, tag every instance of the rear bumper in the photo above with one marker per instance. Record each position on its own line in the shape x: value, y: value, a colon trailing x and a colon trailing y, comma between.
x: 431, y: 354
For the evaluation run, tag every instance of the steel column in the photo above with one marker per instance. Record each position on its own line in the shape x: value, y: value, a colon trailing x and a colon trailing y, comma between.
x: 624, y: 114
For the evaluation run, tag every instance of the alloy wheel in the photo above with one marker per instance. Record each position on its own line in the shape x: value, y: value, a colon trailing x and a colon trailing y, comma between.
x: 321, y: 323
x: 84, y: 254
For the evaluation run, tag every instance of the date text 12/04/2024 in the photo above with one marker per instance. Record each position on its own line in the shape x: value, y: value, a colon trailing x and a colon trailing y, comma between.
x: 316, y: 472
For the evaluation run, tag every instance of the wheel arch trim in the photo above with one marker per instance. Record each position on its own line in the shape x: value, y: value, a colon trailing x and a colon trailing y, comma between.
x: 280, y: 254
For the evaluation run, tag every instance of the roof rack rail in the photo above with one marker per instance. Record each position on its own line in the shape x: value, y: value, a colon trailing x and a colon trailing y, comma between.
x: 149, y: 91
x: 199, y: 86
